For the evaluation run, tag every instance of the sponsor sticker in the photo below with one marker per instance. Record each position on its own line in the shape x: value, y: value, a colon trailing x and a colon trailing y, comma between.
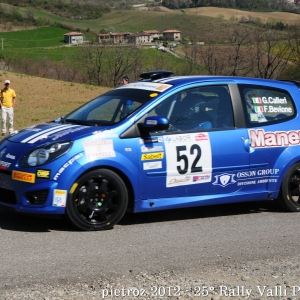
x: 261, y: 139
x: 152, y: 149
x: 151, y: 140
x: 201, y: 136
x: 99, y: 149
x: 175, y: 181
x: 66, y: 165
x: 250, y: 177
x: 59, y: 198
x: 149, y: 86
x: 204, y: 177
x: 43, y: 173
x: 253, y: 117
x: 224, y: 179
x: 23, y: 176
x: 152, y: 165
x: 151, y: 122
x: 10, y: 156
x: 152, y: 156
x: 4, y: 165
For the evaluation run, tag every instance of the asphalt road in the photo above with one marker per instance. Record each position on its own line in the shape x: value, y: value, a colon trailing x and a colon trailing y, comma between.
x: 39, y: 250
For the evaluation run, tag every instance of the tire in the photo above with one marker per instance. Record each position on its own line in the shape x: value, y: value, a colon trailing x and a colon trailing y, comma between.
x: 98, y: 202
x: 289, y: 198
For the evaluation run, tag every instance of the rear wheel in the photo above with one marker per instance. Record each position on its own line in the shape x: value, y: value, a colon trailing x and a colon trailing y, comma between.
x: 99, y: 201
x: 289, y: 197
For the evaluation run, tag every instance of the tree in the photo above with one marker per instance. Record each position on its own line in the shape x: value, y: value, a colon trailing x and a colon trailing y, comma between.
x: 91, y: 62
x: 270, y: 53
x: 120, y: 60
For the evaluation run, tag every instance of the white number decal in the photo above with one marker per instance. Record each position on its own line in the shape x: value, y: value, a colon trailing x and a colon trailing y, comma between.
x: 188, y: 158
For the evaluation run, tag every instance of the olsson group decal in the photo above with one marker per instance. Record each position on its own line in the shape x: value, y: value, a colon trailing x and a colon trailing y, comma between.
x: 261, y: 139
x: 247, y: 177
x: 188, y: 159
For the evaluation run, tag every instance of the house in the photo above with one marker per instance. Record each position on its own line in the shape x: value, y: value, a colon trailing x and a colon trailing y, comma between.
x: 155, y: 33
x: 73, y: 38
x: 101, y: 37
x: 140, y: 38
x: 120, y: 37
x: 172, y: 35
x: 113, y: 37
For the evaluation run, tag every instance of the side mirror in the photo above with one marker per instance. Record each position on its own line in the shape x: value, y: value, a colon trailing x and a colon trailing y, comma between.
x: 154, y: 123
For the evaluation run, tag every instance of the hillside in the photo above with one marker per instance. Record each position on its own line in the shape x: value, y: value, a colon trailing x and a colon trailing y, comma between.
x: 198, y: 19
x: 288, y: 18
x: 40, y: 99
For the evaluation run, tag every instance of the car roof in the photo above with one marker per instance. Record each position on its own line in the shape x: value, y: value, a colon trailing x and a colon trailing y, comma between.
x: 182, y: 80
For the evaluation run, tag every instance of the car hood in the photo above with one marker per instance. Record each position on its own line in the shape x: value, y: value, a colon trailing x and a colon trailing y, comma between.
x: 50, y: 132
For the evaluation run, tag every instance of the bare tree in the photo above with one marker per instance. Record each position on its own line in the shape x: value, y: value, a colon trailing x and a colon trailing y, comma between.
x: 192, y: 56
x: 237, y: 59
x: 294, y: 44
x: 120, y: 60
x: 212, y: 57
x: 271, y: 53
x: 91, y: 62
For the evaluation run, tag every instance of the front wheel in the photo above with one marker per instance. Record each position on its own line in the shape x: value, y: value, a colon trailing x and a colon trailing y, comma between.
x: 99, y: 200
x: 289, y: 197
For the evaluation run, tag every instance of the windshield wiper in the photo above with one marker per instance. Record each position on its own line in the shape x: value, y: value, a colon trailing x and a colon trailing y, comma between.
x: 80, y: 122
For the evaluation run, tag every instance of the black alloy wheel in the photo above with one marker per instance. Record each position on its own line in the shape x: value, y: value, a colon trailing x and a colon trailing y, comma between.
x: 98, y: 202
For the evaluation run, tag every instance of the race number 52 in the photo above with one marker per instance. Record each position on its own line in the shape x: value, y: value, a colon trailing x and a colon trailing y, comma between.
x: 181, y: 156
x: 188, y: 159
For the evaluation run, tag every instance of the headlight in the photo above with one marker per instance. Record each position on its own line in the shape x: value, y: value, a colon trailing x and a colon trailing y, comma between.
x: 44, y: 154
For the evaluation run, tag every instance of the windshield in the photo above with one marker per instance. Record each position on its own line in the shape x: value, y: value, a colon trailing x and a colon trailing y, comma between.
x: 110, y: 108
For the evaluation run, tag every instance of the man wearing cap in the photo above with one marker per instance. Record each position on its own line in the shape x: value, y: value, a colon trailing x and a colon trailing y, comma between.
x: 7, y: 98
x: 124, y: 80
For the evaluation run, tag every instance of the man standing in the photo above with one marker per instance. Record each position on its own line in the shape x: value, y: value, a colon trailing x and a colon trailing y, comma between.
x: 7, y: 98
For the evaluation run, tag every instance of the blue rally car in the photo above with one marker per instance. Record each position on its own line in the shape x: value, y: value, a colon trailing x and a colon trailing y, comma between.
x: 157, y: 144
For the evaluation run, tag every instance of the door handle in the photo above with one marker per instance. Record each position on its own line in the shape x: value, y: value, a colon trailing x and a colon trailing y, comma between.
x: 247, y: 145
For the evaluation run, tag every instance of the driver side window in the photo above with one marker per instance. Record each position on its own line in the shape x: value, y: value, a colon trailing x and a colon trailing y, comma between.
x: 199, y: 108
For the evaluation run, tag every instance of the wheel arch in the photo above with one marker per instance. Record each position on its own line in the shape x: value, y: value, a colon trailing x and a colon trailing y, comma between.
x: 122, y: 175
x: 284, y: 163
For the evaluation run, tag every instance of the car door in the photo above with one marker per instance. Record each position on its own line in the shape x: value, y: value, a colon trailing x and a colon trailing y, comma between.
x: 198, y: 155
x: 269, y: 115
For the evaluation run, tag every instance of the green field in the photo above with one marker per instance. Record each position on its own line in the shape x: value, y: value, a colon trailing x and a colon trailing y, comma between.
x: 28, y: 39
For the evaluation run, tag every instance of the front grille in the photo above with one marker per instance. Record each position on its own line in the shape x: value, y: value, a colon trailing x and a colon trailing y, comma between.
x: 7, y: 196
x: 37, y: 197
